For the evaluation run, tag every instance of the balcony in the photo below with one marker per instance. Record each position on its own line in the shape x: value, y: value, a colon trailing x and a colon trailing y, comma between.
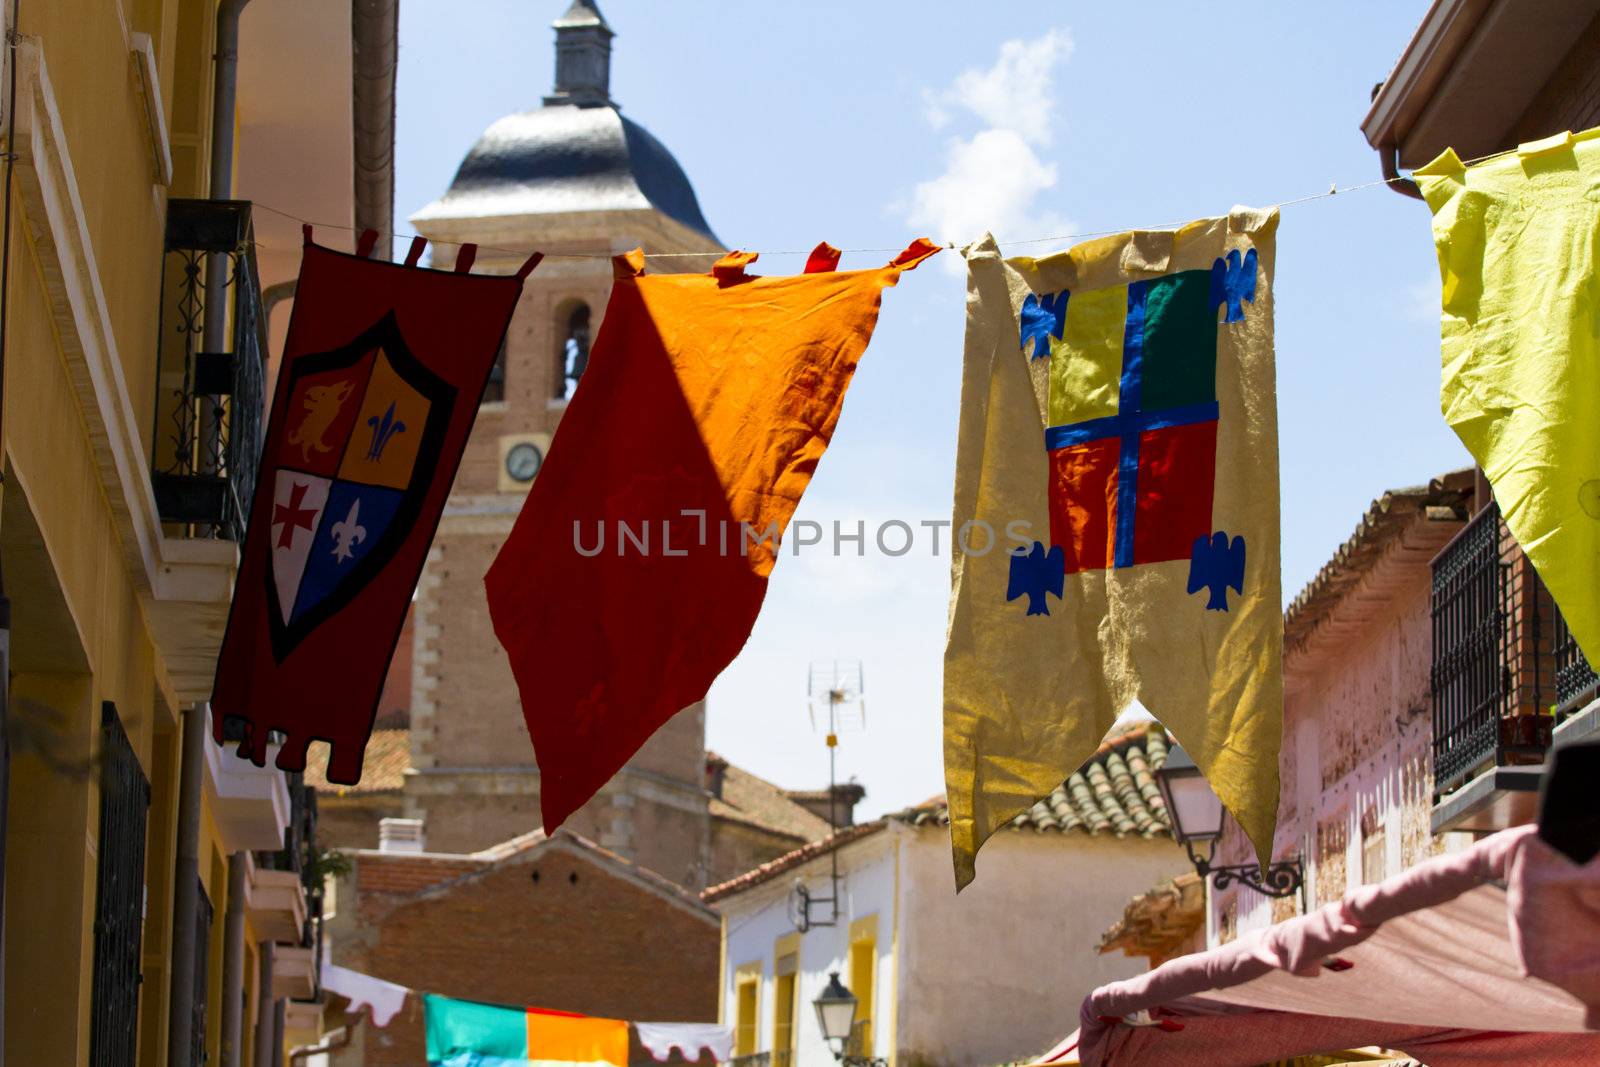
x: 1505, y: 668
x: 211, y: 376
x: 301, y: 861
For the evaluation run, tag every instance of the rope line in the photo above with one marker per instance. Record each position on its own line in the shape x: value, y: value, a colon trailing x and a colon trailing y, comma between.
x: 1333, y: 190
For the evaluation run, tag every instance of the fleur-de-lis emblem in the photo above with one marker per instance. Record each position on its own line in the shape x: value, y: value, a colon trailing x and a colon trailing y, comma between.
x: 348, y: 534
x: 383, y: 431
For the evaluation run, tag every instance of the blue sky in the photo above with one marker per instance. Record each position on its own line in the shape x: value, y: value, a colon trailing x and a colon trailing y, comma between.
x: 868, y: 124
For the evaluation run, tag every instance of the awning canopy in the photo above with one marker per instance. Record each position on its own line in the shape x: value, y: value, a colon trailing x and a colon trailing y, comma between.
x: 1478, y: 957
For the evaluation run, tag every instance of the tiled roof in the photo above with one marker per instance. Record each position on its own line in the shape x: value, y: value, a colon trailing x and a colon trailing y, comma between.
x: 772, y: 869
x: 1447, y: 497
x: 1114, y: 792
x: 383, y: 768
x: 757, y: 802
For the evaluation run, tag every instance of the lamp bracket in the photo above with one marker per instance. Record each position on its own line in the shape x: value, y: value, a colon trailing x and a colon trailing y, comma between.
x: 1281, y: 879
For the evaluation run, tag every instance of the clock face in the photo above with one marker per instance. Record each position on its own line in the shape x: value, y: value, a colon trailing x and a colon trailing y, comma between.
x: 523, y: 461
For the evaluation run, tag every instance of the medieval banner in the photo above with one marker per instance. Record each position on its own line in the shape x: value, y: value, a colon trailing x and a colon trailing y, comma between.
x: 1116, y: 504
x: 381, y: 376
x: 1517, y: 239
x: 640, y: 559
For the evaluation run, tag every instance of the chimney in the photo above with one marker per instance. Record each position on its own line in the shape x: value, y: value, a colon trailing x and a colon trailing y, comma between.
x: 716, y: 774
x: 846, y: 795
x: 401, y: 835
x: 583, y: 57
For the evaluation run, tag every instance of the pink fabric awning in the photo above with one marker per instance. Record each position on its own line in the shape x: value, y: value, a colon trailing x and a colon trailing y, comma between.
x: 1478, y: 957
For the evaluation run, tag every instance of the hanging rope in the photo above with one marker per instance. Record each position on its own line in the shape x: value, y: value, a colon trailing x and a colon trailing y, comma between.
x: 1334, y: 189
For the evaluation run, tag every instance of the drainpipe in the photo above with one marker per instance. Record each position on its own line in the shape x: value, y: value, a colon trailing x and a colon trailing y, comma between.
x: 280, y: 1016
x: 233, y: 963
x: 186, y: 898
x: 224, y: 94
x: 1389, y: 160
x: 266, y: 1009
x: 374, y: 44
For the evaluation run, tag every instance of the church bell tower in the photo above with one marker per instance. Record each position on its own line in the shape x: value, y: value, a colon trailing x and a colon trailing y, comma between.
x: 579, y: 181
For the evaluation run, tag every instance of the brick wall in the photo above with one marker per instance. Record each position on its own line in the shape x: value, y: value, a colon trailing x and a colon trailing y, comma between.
x: 1570, y: 100
x: 550, y: 928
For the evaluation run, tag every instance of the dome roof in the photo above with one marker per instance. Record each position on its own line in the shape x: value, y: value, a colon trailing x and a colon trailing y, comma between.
x: 567, y: 158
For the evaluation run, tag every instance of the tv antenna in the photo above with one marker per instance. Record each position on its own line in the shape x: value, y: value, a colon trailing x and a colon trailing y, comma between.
x: 835, y: 691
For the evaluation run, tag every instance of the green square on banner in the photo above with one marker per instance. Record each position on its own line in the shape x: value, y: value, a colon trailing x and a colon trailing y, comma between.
x: 1180, y: 342
x: 464, y: 1026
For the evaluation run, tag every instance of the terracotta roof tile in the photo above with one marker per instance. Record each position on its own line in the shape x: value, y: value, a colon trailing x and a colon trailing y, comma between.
x: 383, y: 768
x: 1114, y: 792
x: 773, y: 868
x: 1383, y: 521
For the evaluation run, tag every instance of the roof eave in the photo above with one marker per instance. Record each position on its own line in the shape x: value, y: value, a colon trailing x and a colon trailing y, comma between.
x: 1424, y: 62
x: 1470, y: 74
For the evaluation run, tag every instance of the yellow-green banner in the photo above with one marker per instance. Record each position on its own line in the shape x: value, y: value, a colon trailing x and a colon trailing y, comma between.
x: 1518, y: 237
x: 1116, y: 505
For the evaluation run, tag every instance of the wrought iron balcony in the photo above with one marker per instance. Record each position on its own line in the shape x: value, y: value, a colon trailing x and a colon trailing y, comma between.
x: 211, y: 371
x: 1503, y: 658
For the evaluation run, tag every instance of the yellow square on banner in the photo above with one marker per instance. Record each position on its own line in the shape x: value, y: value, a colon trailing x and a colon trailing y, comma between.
x: 1086, y: 364
x: 388, y: 432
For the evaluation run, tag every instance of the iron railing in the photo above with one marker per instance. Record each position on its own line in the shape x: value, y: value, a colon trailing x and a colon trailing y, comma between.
x: 119, y: 899
x: 202, y: 954
x: 209, y: 403
x: 753, y: 1059
x: 1575, y: 679
x: 1502, y: 655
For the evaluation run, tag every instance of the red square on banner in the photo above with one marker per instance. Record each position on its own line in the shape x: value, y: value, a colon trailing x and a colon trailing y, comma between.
x: 1083, y: 502
x: 1177, y: 473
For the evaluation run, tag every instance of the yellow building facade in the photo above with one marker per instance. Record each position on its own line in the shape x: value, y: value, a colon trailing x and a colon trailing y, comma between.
x: 148, y: 883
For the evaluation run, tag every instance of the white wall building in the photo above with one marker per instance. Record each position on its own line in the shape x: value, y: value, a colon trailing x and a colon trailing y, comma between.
x: 990, y: 977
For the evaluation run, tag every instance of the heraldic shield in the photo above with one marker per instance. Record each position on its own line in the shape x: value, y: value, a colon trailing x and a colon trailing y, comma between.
x: 364, y: 425
x: 383, y: 366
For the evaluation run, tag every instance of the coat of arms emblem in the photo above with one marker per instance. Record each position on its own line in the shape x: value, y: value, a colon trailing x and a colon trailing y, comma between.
x: 365, y: 424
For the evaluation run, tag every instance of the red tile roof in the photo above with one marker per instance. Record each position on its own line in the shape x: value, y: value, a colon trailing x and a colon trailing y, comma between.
x: 1114, y: 792
x: 773, y: 868
x: 383, y: 768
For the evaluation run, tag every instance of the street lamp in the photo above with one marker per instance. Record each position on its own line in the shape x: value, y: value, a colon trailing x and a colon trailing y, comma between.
x: 836, y: 1015
x: 1196, y: 815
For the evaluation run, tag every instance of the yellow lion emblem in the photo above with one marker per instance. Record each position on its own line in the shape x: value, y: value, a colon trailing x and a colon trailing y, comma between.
x: 322, y: 404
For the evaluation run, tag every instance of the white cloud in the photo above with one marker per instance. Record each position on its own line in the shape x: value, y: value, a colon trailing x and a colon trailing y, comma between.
x: 989, y: 183
x: 993, y: 177
x: 1015, y: 93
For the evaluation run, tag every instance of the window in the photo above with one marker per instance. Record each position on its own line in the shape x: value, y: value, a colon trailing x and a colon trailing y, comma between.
x: 863, y: 972
x: 494, y: 390
x: 573, y: 354
x: 119, y: 897
x: 1374, y: 858
x: 785, y: 994
x: 747, y: 1004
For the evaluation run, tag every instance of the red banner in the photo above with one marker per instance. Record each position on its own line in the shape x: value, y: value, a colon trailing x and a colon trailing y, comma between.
x: 381, y: 378
x: 640, y: 558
